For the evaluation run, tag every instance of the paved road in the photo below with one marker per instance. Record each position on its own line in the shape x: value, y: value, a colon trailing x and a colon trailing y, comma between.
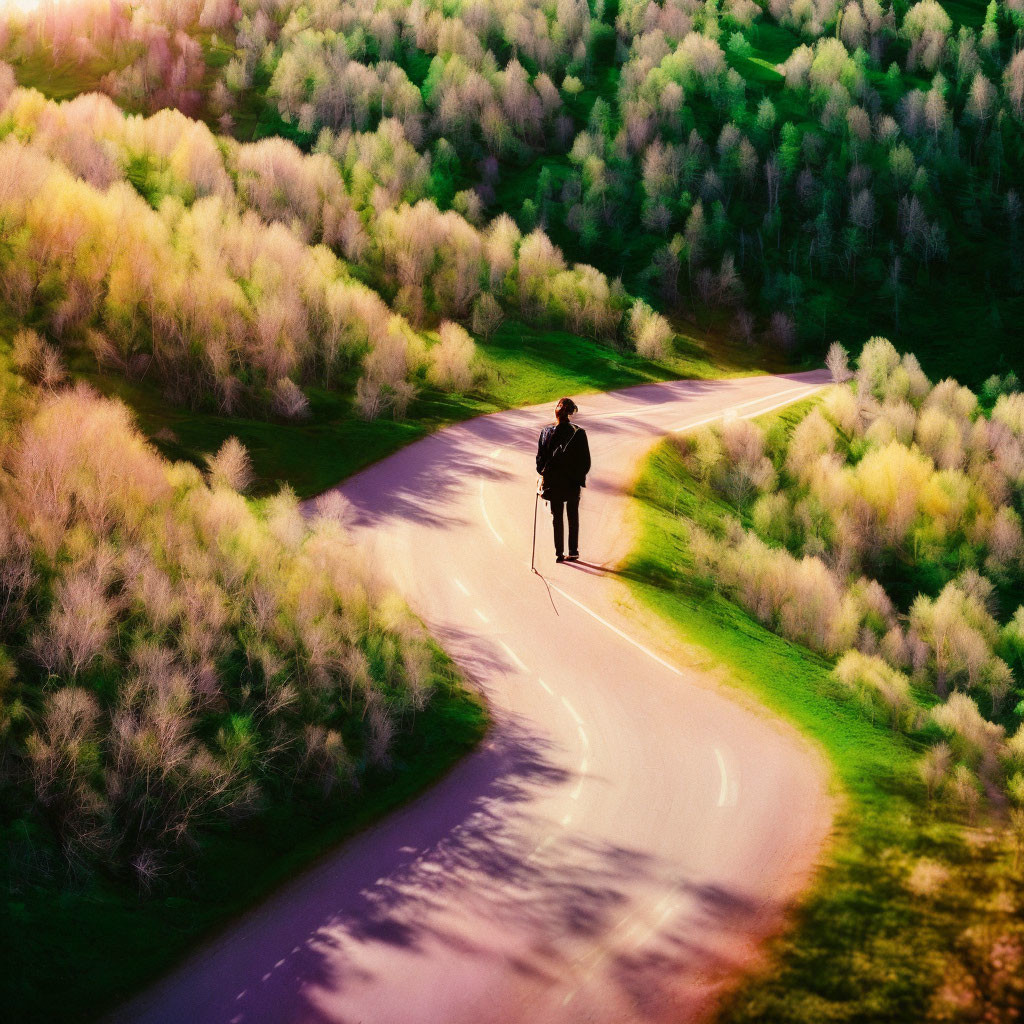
x: 626, y: 833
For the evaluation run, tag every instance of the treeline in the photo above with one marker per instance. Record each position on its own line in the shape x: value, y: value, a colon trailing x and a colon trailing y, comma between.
x: 870, y: 143
x: 340, y: 66
x: 171, y: 659
x: 884, y: 530
x: 768, y: 161
x: 243, y: 271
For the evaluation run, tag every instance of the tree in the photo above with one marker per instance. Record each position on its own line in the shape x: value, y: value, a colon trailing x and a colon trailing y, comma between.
x: 649, y: 331
x: 934, y: 767
x: 487, y: 315
x: 451, y: 359
x: 231, y: 466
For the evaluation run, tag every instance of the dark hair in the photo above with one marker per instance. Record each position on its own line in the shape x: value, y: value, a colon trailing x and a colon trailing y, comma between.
x: 564, y: 409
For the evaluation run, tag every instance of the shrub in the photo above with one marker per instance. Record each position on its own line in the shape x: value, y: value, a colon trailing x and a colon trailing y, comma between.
x: 878, y: 686
x: 955, y: 636
x: 837, y: 361
x: 960, y: 718
x: 370, y: 399
x: 451, y: 359
x: 188, y: 655
x: 231, y: 466
x: 487, y: 315
x: 813, y: 437
x: 27, y: 352
x: 965, y: 790
x: 289, y: 400
x: 934, y: 767
x: 745, y: 469
x: 63, y: 756
x: 886, y: 485
x: 78, y: 626
x: 649, y: 331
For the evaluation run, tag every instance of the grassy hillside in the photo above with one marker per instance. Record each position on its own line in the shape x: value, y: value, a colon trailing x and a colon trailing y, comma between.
x: 170, y: 752
x: 104, y: 941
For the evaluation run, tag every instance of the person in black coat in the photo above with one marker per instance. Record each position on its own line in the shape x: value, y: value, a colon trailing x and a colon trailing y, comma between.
x: 563, y: 461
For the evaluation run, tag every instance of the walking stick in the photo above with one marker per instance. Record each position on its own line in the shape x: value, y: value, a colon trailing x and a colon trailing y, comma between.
x: 533, y: 548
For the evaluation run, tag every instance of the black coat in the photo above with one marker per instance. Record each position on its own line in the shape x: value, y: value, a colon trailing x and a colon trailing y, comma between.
x: 563, y: 459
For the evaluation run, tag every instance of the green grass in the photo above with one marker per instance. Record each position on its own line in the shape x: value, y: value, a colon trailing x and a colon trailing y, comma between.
x: 863, y: 946
x: 73, y: 949
x: 60, y: 79
x: 522, y: 365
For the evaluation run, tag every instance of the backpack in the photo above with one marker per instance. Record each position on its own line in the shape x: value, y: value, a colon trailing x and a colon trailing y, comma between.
x: 555, y: 460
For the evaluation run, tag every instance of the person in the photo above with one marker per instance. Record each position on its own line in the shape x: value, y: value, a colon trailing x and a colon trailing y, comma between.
x: 563, y: 461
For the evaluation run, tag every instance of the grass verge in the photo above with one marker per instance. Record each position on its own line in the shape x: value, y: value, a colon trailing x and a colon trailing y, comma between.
x: 520, y: 365
x: 72, y: 950
x: 914, y: 916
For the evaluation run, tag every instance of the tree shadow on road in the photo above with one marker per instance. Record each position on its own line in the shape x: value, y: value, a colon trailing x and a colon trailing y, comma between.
x: 482, y: 845
x: 474, y: 844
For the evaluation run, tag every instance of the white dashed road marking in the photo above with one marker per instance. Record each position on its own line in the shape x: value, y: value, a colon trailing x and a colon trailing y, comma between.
x: 572, y: 711
x: 487, y: 518
x: 791, y: 396
x: 512, y: 654
x: 728, y: 788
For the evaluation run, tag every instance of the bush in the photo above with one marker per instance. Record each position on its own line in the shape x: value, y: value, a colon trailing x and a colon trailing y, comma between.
x: 649, y: 331
x: 289, y: 400
x: 888, y: 487
x: 487, y: 315
x: 837, y: 361
x: 878, y: 686
x: 180, y: 656
x: 451, y: 359
x: 231, y: 466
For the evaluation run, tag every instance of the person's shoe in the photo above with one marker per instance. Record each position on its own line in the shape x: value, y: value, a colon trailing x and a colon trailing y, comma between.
x: 572, y: 557
x: 559, y: 558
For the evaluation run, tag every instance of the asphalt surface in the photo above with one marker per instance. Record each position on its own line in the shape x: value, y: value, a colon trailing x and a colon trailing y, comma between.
x: 626, y: 835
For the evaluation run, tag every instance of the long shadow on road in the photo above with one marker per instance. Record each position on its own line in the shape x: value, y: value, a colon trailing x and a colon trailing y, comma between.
x: 474, y: 840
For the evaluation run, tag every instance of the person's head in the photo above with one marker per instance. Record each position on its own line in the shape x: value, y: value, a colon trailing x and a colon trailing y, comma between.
x: 565, y: 408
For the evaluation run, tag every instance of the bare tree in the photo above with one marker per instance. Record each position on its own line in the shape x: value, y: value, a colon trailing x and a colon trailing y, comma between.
x: 837, y: 361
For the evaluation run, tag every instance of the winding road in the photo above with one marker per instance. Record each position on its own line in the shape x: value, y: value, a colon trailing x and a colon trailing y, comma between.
x: 625, y: 835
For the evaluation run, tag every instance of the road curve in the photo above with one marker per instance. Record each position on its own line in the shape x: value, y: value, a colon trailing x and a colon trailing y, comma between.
x: 625, y: 834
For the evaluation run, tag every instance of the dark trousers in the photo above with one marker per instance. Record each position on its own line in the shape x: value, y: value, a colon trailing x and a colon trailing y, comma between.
x: 571, y: 503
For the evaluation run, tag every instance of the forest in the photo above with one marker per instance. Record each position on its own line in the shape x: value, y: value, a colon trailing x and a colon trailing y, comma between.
x: 282, y: 221
x: 785, y: 172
